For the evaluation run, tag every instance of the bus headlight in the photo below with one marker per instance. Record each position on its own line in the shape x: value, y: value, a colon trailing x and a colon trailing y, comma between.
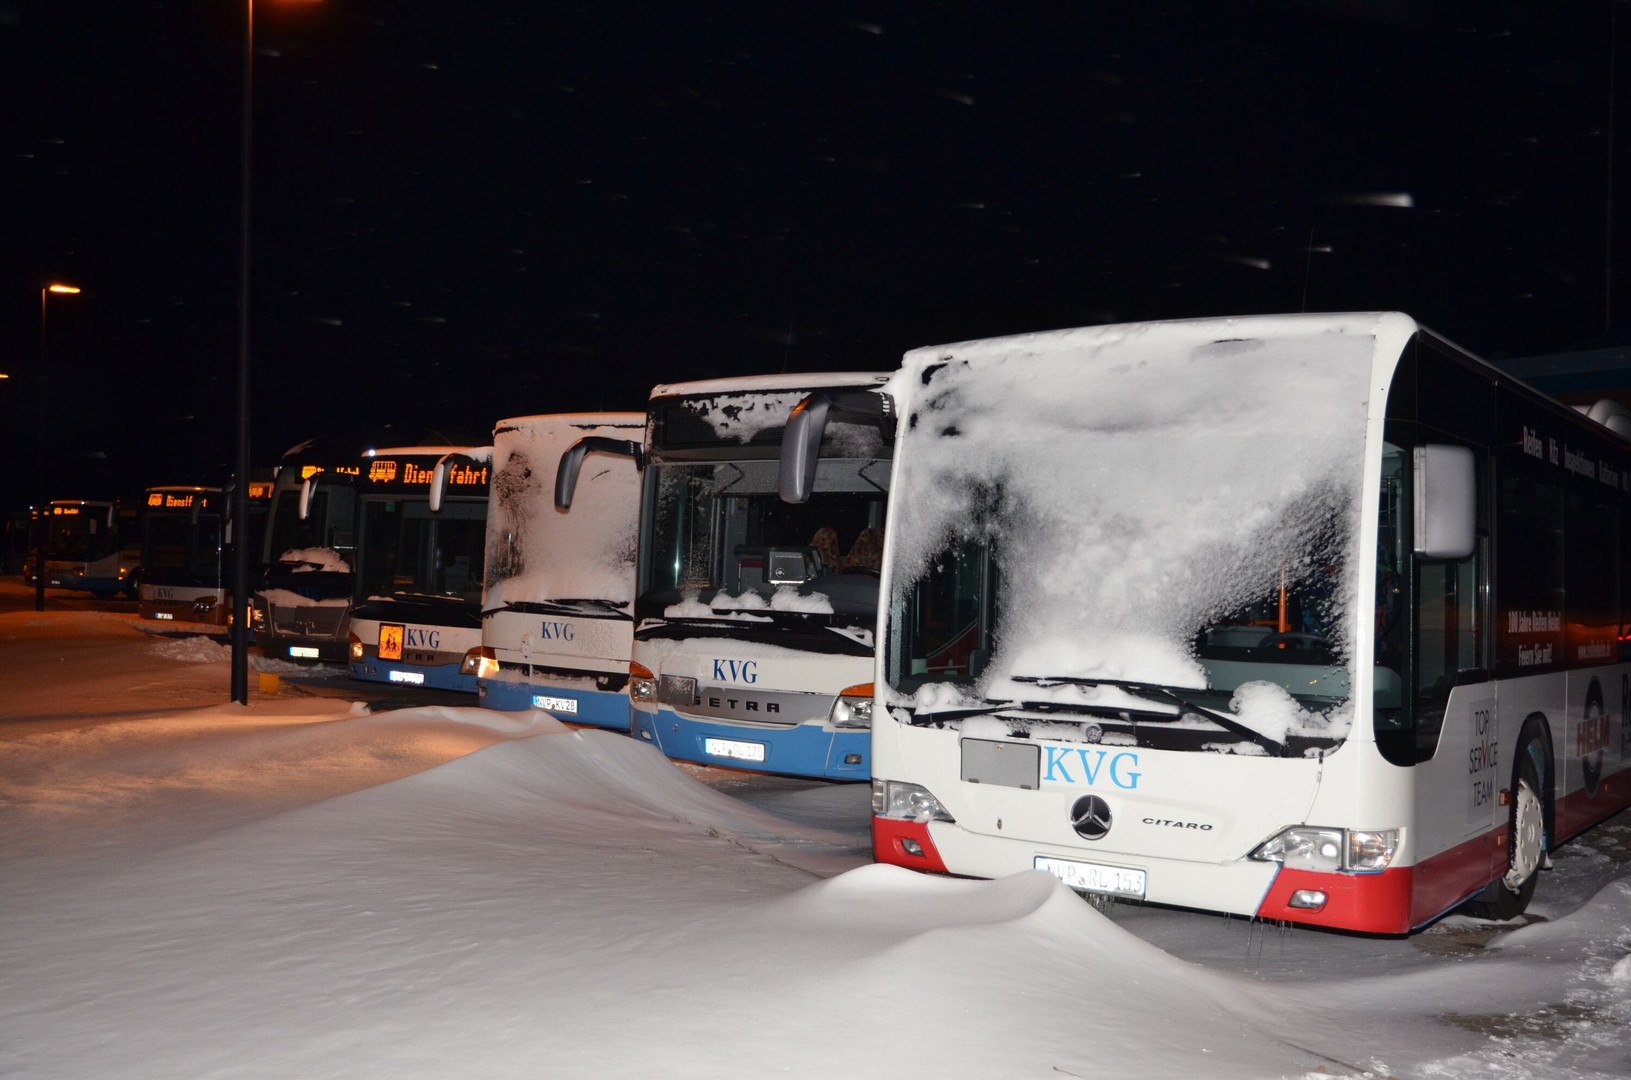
x: 356, y: 647
x: 482, y: 662
x: 642, y: 685
x: 906, y: 802
x: 853, y: 707
x: 1305, y: 847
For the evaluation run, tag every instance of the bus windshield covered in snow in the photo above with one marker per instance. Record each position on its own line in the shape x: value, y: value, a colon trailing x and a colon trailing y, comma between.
x: 557, y: 619
x: 754, y: 617
x: 1313, y: 618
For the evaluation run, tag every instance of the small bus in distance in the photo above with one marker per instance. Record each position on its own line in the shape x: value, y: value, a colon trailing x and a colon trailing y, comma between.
x: 91, y: 546
x: 181, y: 574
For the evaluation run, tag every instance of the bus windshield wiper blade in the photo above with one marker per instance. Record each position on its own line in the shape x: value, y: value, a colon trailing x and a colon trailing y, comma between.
x: 1048, y: 707
x: 1168, y: 693
x: 989, y: 709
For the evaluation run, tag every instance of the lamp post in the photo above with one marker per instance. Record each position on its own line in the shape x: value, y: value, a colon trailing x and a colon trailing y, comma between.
x: 240, y: 490
x: 40, y: 501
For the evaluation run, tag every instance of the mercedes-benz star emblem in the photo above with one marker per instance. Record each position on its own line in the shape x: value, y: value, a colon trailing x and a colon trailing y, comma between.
x: 1090, y: 817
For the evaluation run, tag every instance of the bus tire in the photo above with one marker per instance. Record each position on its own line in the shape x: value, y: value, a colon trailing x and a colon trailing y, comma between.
x: 1507, y: 896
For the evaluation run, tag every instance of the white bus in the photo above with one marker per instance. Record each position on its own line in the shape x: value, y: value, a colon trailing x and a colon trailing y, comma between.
x: 90, y: 545
x: 1308, y: 618
x: 418, y: 565
x: 302, y: 605
x: 556, y: 621
x: 181, y: 569
x: 753, y: 642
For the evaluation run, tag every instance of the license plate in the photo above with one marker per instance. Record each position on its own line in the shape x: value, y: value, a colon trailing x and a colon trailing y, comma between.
x: 1095, y: 877
x: 417, y: 678
x: 731, y: 748
x: 162, y: 615
x: 555, y: 704
x: 390, y: 641
x: 303, y: 652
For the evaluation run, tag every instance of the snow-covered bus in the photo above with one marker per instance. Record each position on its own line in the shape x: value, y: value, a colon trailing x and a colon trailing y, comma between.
x: 90, y: 545
x: 181, y: 574
x: 556, y: 619
x: 754, y: 617
x: 419, y: 565
x: 301, y: 607
x: 1308, y: 618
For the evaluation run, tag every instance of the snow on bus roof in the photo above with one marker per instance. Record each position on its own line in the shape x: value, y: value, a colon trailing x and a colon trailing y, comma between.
x: 748, y: 383
x: 1044, y: 342
x: 576, y: 420
x: 425, y: 451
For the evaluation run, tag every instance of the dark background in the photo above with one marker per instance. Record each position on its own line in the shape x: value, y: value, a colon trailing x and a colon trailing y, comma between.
x: 471, y: 209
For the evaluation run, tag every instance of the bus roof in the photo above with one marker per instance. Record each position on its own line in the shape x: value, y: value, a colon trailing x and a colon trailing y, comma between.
x: 584, y: 420
x: 744, y: 383
x: 1094, y: 338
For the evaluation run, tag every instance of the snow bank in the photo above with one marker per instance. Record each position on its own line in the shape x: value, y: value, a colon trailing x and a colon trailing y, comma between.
x: 492, y: 916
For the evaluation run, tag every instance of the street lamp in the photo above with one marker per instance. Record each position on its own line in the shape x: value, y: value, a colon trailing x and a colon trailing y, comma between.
x: 39, y: 469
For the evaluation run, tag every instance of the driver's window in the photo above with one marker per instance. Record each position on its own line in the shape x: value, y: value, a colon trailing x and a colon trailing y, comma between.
x: 1449, y: 637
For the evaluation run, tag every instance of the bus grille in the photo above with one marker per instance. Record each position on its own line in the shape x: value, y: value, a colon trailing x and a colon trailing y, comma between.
x: 323, y: 622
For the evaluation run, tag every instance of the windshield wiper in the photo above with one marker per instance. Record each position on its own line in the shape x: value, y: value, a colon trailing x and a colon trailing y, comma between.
x: 1074, y: 708
x: 1167, y: 693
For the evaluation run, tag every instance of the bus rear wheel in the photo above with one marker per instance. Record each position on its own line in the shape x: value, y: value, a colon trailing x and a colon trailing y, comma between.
x: 1508, y: 896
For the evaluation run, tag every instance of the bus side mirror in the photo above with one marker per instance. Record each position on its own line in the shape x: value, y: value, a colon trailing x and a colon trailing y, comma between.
x: 306, y: 489
x: 801, y: 437
x: 439, y: 478
x: 1446, y: 502
x: 438, y: 486
x: 566, y: 474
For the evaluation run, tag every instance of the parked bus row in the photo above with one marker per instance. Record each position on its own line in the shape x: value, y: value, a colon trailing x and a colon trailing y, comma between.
x: 1311, y: 618
x: 637, y: 572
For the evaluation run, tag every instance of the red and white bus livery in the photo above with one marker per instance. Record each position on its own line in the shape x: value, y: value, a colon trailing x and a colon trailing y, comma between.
x: 1313, y: 618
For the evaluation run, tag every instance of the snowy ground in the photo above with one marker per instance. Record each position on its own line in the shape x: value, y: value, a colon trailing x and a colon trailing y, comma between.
x: 299, y: 888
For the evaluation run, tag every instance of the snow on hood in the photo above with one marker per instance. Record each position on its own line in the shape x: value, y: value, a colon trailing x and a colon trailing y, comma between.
x: 318, y: 558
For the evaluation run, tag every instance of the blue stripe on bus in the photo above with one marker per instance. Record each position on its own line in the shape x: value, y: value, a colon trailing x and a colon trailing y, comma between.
x: 596, y: 708
x: 438, y: 676
x: 801, y: 750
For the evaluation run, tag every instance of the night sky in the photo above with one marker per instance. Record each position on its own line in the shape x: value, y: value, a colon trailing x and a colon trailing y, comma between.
x: 471, y: 209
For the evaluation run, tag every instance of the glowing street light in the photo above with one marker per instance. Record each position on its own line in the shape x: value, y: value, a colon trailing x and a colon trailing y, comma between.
x: 46, y: 291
